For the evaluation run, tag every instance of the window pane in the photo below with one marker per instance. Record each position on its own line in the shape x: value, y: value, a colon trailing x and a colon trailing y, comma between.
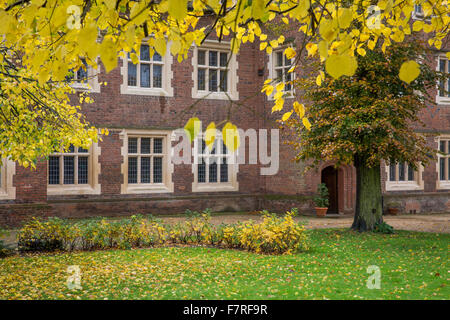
x: 288, y: 77
x: 410, y: 174
x: 157, y: 76
x: 401, y: 172
x: 145, y: 52
x: 157, y: 57
x: 83, y: 170
x: 223, y: 80
x: 82, y: 75
x: 224, y: 170
x: 69, y: 170
x: 203, y: 150
x: 448, y: 169
x: 201, y: 57
x: 213, y: 172
x: 442, y: 169
x: 71, y: 149
x: 132, y: 74
x: 132, y: 145
x: 441, y: 65
x: 441, y: 82
x: 132, y: 170
x: 287, y: 62
x: 280, y: 75
x: 442, y: 146
x: 448, y: 80
x: 392, y: 168
x: 157, y: 170
x: 53, y: 170
x: 201, y: 79
x: 213, y: 58
x: 145, y: 75
x: 145, y: 145
x: 145, y: 170
x: 279, y: 59
x: 223, y: 59
x: 212, y: 80
x: 201, y: 171
x: 224, y: 148
x: 157, y: 145
x: 81, y: 150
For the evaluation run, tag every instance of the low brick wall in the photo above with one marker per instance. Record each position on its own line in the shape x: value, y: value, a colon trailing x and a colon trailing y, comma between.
x: 283, y: 203
x: 430, y: 202
x: 13, y: 215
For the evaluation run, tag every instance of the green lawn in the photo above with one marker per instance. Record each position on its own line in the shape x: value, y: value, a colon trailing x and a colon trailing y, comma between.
x: 413, y: 266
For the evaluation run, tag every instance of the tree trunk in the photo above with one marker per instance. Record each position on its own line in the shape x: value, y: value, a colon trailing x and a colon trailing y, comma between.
x: 369, y: 208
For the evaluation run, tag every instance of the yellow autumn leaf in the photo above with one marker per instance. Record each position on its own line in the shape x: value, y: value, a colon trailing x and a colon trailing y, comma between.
x: 192, y: 128
x: 302, y: 9
x: 409, y: 71
x: 210, y: 135
x: 319, y: 80
x: 257, y: 8
x: 346, y: 18
x: 230, y: 136
x: 160, y: 46
x: 311, y: 48
x: 178, y: 9
x: 361, y: 51
x: 289, y: 53
x: 286, y: 116
x: 306, y: 123
x: 299, y: 109
x: 108, y: 54
x: 323, y: 48
x: 339, y: 65
x: 417, y: 25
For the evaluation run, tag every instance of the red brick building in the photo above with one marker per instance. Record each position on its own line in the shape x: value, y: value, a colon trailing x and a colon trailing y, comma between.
x: 131, y: 170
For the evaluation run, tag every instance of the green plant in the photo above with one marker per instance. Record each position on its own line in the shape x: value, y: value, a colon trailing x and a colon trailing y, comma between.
x: 276, y: 234
x: 321, y: 200
x: 5, y: 250
x: 383, y: 227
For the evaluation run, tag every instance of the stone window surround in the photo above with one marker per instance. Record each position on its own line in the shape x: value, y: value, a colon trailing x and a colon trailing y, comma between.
x: 417, y: 184
x: 93, y: 187
x: 167, y: 76
x: 168, y: 168
x: 8, y: 170
x: 439, y: 99
x: 92, y: 85
x: 445, y: 184
x: 271, y: 68
x: 233, y: 77
x: 231, y: 185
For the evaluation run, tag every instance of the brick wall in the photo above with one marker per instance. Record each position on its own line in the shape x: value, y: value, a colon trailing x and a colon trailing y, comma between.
x: 117, y: 111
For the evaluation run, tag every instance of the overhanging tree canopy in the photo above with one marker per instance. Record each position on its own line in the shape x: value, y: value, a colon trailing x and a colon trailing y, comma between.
x: 44, y: 39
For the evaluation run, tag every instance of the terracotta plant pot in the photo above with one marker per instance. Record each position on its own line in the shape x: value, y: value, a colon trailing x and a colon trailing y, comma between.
x: 321, y: 212
x: 393, y: 211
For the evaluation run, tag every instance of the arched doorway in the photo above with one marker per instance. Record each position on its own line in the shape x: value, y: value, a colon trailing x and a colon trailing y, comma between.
x: 330, y: 176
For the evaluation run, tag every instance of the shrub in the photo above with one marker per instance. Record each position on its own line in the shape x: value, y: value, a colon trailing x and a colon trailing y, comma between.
x: 383, y: 227
x: 278, y: 235
x: 4, y: 249
x: 275, y: 234
x: 39, y: 235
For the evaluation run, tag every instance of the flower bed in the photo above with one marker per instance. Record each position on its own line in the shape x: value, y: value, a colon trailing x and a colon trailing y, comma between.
x: 274, y: 235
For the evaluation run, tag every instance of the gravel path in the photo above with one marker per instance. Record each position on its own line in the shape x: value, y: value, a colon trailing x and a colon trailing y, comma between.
x: 425, y: 223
